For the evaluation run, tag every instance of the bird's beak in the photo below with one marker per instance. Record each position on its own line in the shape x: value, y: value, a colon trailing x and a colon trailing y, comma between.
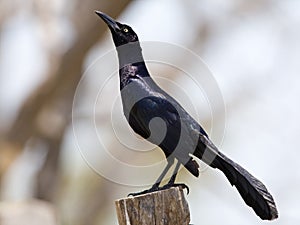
x: 111, y: 23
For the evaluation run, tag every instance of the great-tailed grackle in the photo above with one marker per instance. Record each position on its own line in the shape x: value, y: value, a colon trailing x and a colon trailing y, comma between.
x: 160, y: 119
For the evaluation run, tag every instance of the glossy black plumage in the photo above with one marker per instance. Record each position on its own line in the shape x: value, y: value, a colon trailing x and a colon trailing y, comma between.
x: 160, y: 119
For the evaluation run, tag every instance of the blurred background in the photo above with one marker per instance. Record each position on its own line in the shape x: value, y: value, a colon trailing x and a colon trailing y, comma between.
x: 252, y: 49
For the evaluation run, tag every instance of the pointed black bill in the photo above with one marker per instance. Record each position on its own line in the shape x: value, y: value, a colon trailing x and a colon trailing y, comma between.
x: 111, y: 23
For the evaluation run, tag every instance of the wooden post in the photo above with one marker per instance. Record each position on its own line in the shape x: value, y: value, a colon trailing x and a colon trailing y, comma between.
x: 166, y: 207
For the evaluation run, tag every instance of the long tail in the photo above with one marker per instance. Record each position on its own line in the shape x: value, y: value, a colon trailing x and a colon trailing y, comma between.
x: 254, y: 192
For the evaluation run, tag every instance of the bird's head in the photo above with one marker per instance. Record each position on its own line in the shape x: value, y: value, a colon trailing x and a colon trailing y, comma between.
x: 122, y: 34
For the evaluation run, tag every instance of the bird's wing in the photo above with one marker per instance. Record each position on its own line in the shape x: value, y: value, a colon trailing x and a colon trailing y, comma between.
x: 144, y: 111
x: 161, y: 122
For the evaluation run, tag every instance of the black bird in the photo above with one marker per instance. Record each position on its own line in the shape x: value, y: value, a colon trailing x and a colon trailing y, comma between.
x: 159, y: 118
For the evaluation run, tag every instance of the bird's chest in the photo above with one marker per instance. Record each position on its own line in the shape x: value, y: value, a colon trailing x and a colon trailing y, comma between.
x: 132, y: 93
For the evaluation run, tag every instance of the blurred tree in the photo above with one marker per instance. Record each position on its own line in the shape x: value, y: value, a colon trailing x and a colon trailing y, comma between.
x: 46, y: 113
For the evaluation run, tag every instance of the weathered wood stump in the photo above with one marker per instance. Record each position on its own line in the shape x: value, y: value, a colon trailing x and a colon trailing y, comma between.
x: 166, y: 207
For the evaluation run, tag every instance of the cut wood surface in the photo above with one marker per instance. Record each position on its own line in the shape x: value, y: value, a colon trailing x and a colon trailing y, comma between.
x: 166, y: 207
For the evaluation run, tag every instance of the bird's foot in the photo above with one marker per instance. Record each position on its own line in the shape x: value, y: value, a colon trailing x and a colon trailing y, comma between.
x: 182, y: 185
x: 152, y: 189
x: 157, y: 188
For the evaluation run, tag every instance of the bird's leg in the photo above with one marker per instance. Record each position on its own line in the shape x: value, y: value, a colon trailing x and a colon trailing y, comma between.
x: 155, y: 186
x: 172, y: 183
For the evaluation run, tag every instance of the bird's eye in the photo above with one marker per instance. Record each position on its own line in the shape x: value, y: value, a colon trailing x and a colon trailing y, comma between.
x: 125, y: 30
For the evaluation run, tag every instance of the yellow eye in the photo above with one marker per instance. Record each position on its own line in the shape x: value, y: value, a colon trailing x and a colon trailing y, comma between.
x: 125, y: 30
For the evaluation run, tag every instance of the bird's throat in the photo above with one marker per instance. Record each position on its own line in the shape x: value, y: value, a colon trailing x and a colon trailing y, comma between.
x: 130, y: 53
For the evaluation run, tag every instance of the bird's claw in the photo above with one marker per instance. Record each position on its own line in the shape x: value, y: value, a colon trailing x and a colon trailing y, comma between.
x: 155, y: 188
x: 152, y: 189
x: 138, y: 193
x: 182, y: 185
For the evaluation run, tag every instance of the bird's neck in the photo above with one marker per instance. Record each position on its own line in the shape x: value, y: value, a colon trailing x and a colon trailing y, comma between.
x: 131, y: 63
x: 129, y: 54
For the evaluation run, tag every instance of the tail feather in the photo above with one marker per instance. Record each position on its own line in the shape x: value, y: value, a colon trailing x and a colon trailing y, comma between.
x: 193, y: 167
x: 253, y: 192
